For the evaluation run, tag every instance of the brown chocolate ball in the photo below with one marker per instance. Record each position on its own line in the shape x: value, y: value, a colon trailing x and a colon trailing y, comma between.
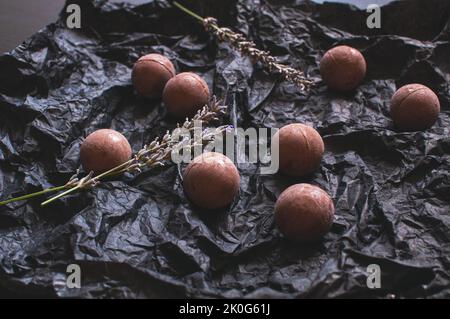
x: 185, y: 94
x: 304, y: 212
x: 103, y: 150
x: 211, y: 180
x: 414, y: 107
x: 343, y: 68
x: 151, y: 73
x: 300, y: 149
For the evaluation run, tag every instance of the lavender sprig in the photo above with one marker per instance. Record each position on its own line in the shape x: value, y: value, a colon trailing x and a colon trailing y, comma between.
x: 248, y: 48
x: 155, y: 154
x: 159, y: 150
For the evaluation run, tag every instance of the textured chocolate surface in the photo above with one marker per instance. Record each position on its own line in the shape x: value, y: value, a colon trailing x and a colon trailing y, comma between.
x: 343, y: 68
x: 103, y: 150
x: 185, y: 94
x: 304, y: 212
x: 300, y: 149
x: 414, y: 107
x: 211, y: 180
x: 151, y: 73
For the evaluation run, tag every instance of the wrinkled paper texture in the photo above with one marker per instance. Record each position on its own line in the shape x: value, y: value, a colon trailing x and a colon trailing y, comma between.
x: 138, y: 236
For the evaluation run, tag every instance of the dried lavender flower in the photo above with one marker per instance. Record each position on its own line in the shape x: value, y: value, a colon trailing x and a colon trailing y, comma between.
x: 155, y: 154
x: 248, y: 48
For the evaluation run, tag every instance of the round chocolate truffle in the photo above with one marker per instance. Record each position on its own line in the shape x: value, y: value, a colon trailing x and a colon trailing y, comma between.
x: 300, y: 149
x: 151, y: 73
x: 185, y: 94
x: 103, y: 150
x: 343, y: 68
x: 211, y: 180
x: 304, y: 212
x: 414, y: 107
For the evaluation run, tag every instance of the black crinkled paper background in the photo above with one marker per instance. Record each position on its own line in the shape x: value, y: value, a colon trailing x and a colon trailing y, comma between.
x: 139, y: 237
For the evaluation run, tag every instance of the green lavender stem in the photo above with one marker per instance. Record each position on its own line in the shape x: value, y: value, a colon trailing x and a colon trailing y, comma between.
x: 112, y: 172
x: 191, y: 13
x: 28, y: 196
x: 67, y: 192
x: 69, y: 188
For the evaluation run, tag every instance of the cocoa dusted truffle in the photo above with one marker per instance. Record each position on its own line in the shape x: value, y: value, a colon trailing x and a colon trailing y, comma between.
x: 185, y: 94
x: 211, y: 180
x: 103, y: 150
x: 151, y: 73
x: 414, y: 107
x: 343, y: 68
x: 300, y: 149
x: 304, y: 212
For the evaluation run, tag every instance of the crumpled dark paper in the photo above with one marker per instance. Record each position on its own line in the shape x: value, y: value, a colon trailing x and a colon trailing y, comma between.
x: 139, y: 237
